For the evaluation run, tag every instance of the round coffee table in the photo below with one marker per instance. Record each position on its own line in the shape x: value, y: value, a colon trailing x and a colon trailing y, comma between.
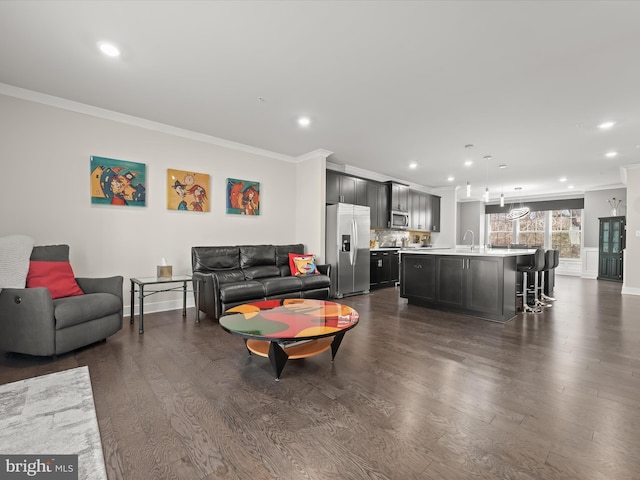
x: 290, y: 328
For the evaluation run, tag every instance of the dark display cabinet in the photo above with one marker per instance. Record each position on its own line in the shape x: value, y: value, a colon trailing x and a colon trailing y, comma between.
x: 611, y: 248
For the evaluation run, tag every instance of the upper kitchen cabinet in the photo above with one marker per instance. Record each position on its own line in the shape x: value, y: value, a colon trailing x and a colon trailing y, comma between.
x: 417, y: 210
x: 377, y: 200
x: 435, y: 213
x: 399, y: 197
x: 343, y: 188
x: 424, y: 211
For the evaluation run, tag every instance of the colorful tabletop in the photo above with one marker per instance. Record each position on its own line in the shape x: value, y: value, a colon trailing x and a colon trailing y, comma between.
x: 294, y: 318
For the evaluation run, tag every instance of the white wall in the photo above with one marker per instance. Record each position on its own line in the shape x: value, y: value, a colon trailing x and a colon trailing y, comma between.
x: 45, y: 154
x: 470, y: 217
x: 446, y: 237
x: 631, y: 283
x: 310, y: 206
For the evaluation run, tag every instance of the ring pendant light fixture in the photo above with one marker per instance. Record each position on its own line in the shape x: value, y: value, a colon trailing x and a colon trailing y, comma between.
x: 518, y: 212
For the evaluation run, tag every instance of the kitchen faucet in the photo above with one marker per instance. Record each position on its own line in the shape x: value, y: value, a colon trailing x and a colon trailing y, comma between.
x: 464, y: 237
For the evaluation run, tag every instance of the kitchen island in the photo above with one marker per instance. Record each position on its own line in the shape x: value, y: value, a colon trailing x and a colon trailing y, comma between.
x: 479, y: 282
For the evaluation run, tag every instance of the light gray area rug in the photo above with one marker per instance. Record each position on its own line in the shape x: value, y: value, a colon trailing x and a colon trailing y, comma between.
x: 53, y: 414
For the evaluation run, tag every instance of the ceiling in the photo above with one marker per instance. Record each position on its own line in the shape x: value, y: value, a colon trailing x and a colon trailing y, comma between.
x: 384, y: 83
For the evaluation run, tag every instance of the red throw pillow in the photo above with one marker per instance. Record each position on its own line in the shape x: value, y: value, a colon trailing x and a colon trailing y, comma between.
x: 58, y: 277
x: 302, y: 264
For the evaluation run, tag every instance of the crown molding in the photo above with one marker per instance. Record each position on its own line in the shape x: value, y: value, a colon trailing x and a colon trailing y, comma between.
x: 65, y: 104
x: 315, y: 154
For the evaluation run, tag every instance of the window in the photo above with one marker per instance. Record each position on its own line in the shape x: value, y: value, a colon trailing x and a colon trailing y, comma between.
x: 566, y: 232
x: 500, y: 230
x: 531, y: 229
x: 561, y: 228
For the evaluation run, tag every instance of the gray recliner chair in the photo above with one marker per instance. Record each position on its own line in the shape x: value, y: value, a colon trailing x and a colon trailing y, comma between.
x: 31, y: 322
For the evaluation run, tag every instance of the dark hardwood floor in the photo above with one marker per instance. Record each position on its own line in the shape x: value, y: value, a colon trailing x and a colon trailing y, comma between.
x: 413, y: 394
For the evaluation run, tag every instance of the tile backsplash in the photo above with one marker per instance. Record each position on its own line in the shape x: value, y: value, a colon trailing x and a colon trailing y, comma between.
x: 393, y: 238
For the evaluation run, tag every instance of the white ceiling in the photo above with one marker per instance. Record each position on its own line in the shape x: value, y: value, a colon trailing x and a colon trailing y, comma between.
x: 384, y: 83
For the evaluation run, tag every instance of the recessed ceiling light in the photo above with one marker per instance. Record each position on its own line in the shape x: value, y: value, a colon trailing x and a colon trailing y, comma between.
x: 109, y: 49
x: 413, y: 165
x: 517, y: 188
x: 563, y: 179
x: 611, y: 154
x: 502, y: 167
x: 468, y: 163
x: 570, y: 186
x: 450, y: 179
x: 606, y: 125
x: 304, y: 121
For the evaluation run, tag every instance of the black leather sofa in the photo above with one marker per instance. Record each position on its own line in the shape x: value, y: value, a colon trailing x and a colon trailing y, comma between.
x: 232, y: 275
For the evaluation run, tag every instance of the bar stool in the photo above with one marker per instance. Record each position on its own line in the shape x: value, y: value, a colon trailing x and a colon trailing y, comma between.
x: 548, y: 266
x: 536, y: 265
x: 555, y: 261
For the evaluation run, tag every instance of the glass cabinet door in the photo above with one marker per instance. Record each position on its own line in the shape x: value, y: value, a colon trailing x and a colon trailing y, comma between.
x: 615, y: 236
x: 605, y: 237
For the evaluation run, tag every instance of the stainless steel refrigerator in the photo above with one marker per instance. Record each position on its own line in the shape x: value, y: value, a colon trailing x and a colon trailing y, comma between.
x: 347, y: 248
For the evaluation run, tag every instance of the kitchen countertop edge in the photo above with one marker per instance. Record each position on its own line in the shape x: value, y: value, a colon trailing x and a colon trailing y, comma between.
x: 482, y: 252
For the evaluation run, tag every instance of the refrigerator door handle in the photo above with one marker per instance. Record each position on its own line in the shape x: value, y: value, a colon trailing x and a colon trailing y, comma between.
x: 356, y: 241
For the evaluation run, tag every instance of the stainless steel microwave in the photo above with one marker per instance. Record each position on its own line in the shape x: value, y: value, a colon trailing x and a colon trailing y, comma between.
x: 399, y: 220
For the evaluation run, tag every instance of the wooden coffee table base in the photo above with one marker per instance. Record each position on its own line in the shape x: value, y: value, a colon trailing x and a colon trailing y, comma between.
x: 278, y: 356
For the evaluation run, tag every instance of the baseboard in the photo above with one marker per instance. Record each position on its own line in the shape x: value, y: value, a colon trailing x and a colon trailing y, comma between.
x: 630, y: 291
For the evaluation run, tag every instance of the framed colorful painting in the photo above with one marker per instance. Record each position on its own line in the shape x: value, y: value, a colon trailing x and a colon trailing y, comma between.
x: 243, y: 197
x: 187, y: 191
x: 118, y: 182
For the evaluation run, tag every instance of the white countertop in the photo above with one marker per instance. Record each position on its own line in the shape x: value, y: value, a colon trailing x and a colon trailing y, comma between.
x: 467, y: 252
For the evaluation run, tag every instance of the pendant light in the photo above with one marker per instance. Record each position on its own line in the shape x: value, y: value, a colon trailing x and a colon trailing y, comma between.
x: 502, y: 167
x: 487, y: 158
x: 467, y: 163
x: 518, y: 212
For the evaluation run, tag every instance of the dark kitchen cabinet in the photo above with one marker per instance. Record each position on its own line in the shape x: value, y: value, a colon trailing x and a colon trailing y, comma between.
x: 435, y: 213
x: 419, y: 210
x: 395, y: 268
x: 471, y: 283
x: 418, y: 277
x: 398, y: 197
x: 476, y: 285
x: 342, y: 188
x: 610, y: 248
x: 424, y: 211
x: 333, y: 187
x: 384, y: 268
x: 377, y: 198
x: 361, y: 192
